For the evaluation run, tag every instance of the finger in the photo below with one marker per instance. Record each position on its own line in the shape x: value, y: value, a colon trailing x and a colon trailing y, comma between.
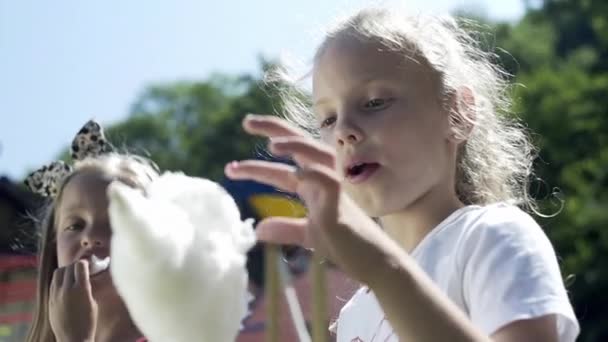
x: 270, y: 126
x: 81, y: 276
x: 319, y: 187
x: 278, y: 175
x: 304, y: 150
x: 60, y: 276
x: 68, y: 276
x: 284, y: 231
x: 56, y: 280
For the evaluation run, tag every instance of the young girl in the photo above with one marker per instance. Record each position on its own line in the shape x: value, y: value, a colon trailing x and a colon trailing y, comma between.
x: 415, y: 136
x: 76, y: 301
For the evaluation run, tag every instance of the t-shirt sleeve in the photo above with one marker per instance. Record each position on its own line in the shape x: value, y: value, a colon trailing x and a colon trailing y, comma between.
x: 510, y: 273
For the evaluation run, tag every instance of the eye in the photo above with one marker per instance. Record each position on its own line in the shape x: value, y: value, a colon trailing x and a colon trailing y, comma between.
x: 377, y: 104
x: 74, y: 226
x: 328, y: 121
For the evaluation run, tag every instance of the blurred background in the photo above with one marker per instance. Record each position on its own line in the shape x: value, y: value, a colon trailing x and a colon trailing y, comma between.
x: 173, y: 79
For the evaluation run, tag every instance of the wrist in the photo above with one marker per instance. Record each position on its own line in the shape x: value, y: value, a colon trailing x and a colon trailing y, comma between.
x: 391, y: 267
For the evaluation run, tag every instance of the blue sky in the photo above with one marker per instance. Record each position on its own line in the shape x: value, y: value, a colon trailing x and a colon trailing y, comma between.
x: 65, y: 61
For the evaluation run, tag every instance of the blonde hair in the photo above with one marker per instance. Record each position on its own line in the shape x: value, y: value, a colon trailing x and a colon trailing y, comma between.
x: 495, y: 162
x: 132, y: 170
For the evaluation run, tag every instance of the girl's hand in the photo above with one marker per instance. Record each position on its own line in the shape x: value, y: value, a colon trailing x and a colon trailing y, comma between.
x: 335, y: 226
x: 72, y: 309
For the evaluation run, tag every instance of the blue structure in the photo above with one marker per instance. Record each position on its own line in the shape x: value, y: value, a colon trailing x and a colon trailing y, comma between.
x: 259, y: 201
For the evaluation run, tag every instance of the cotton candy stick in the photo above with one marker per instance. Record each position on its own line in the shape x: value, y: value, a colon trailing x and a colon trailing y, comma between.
x: 319, y: 294
x: 272, y: 286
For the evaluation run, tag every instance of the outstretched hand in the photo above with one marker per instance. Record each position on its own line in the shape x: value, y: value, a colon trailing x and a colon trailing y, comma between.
x: 335, y: 226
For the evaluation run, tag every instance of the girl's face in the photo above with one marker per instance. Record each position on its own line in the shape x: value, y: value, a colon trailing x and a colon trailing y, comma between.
x: 382, y: 113
x: 82, y: 225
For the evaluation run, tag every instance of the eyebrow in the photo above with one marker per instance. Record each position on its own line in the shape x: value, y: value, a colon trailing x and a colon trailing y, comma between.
x: 73, y: 207
x: 68, y: 212
x: 372, y: 78
x: 321, y: 101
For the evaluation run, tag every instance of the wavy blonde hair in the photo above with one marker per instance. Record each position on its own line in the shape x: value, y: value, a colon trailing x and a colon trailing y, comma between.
x: 495, y: 162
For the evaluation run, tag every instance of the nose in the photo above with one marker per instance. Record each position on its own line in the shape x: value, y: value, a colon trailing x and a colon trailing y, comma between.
x: 347, y: 132
x: 90, y: 241
x: 96, y: 236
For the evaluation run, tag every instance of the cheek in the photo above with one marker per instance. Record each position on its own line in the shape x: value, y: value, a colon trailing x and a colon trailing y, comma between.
x: 413, y: 142
x: 398, y: 131
x: 421, y: 128
x: 327, y: 137
x: 66, y: 251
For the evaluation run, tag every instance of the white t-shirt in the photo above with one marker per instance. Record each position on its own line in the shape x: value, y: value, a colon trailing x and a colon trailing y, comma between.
x: 494, y: 262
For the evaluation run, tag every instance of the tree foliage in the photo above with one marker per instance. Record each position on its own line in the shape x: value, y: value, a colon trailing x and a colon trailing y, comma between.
x: 559, y: 53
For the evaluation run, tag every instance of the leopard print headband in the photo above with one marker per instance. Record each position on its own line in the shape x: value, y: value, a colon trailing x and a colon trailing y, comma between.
x: 90, y: 141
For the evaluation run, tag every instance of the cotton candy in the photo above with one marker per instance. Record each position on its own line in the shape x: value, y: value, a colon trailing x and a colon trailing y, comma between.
x: 178, y: 258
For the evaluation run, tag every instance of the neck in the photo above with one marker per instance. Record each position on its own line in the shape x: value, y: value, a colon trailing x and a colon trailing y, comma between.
x: 409, y: 226
x: 114, y: 323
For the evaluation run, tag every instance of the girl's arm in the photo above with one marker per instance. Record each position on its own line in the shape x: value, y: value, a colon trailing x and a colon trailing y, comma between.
x: 536, y: 329
x: 414, y: 306
x: 418, y: 311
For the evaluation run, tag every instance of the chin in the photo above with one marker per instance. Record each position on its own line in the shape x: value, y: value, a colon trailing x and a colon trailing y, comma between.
x: 381, y: 203
x: 378, y: 211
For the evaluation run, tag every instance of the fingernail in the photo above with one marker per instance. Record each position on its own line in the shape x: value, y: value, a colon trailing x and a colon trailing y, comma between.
x: 233, y: 164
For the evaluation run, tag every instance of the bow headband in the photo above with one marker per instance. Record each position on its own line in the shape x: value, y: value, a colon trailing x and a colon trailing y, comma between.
x: 90, y: 141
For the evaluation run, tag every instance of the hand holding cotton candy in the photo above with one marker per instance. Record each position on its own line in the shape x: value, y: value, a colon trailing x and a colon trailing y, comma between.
x: 178, y: 258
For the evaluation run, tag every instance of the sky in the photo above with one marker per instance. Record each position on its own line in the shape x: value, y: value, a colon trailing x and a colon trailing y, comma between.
x: 63, y: 62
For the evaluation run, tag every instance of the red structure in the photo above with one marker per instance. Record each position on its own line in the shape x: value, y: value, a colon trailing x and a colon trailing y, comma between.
x: 17, y: 261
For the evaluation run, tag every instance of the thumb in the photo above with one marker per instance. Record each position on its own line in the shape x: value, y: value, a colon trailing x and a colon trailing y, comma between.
x: 284, y: 231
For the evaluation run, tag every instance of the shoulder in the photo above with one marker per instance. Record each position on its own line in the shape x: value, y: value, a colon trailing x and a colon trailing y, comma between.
x: 470, y: 233
x: 497, y: 215
x: 473, y: 230
x: 502, y: 225
x: 502, y: 237
x: 511, y: 272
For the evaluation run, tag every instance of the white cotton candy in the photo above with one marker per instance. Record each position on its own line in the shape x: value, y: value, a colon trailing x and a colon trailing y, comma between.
x: 178, y: 258
x: 97, y: 265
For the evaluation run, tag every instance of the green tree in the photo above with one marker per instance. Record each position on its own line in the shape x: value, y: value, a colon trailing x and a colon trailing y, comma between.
x: 559, y: 52
x: 195, y: 127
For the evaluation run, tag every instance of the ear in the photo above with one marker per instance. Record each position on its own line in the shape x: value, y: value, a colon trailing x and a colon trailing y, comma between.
x: 462, y: 115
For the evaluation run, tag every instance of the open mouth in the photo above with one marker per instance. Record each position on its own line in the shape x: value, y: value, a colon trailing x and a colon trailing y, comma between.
x: 360, y: 172
x: 97, y: 265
